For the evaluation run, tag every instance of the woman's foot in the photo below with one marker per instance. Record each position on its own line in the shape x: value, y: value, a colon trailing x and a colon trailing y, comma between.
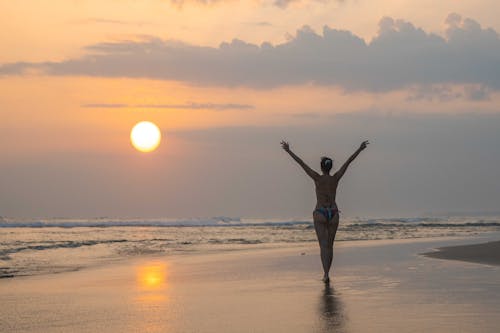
x: 326, y: 279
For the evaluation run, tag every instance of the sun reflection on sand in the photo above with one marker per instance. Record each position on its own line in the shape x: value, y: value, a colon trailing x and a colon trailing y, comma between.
x: 151, y: 305
x: 152, y: 282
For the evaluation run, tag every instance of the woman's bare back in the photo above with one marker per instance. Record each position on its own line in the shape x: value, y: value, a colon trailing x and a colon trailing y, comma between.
x: 326, y: 190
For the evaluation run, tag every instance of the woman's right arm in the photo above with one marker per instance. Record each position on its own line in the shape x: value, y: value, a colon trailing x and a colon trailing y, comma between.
x: 286, y: 147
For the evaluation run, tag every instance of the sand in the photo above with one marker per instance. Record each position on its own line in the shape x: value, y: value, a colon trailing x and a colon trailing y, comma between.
x: 376, y: 287
x: 484, y: 253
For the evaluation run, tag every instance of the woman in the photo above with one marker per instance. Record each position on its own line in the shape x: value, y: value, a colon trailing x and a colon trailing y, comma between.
x: 326, y: 213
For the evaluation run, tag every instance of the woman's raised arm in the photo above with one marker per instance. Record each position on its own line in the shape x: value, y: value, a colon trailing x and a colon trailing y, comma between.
x: 286, y: 147
x: 343, y: 169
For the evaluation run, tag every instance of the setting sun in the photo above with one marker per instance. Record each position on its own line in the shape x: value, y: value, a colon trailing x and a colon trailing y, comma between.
x: 145, y: 136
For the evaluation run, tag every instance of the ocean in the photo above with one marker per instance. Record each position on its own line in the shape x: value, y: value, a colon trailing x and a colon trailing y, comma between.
x: 48, y: 246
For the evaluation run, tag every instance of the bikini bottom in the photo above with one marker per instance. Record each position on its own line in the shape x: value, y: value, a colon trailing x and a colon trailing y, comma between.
x: 327, y: 212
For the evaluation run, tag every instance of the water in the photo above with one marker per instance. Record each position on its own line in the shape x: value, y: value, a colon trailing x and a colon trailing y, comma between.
x: 30, y: 247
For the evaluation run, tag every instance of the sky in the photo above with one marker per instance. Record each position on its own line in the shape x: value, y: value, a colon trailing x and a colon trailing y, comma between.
x: 226, y: 81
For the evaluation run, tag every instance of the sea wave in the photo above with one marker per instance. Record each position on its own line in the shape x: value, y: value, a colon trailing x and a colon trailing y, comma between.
x: 108, y: 223
x: 56, y: 245
x: 222, y: 221
x: 426, y: 224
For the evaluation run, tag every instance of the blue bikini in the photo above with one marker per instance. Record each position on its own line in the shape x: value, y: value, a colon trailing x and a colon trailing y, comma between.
x: 328, y: 212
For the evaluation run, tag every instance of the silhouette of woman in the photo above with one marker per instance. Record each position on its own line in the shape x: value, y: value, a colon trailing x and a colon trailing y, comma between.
x: 326, y: 213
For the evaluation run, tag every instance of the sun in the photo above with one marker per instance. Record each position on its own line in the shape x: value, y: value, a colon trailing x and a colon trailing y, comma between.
x: 145, y: 136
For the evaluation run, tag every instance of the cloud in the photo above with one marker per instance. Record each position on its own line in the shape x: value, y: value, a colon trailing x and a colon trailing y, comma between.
x: 283, y: 4
x: 187, y: 106
x: 446, y: 93
x: 105, y: 105
x: 477, y: 93
x: 441, y: 93
x: 399, y: 56
x: 305, y: 115
x: 260, y: 24
x: 181, y: 3
x: 17, y: 68
x: 98, y: 20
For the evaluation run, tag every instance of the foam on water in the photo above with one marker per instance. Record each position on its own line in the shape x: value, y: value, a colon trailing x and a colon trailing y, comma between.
x: 40, y: 246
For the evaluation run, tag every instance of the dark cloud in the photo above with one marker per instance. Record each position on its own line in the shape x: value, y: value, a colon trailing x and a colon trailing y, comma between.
x: 187, y: 106
x: 446, y: 93
x: 477, y: 93
x: 17, y: 68
x: 401, y: 55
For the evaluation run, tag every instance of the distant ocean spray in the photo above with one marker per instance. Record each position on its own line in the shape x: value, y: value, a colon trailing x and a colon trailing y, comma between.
x: 44, y: 246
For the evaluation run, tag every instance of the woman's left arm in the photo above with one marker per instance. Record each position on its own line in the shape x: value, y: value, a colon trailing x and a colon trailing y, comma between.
x: 343, y: 169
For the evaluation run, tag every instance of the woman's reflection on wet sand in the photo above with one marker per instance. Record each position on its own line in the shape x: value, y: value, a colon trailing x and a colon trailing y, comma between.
x: 331, y: 311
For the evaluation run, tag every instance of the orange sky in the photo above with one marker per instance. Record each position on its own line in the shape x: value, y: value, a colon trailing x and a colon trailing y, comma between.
x: 50, y: 117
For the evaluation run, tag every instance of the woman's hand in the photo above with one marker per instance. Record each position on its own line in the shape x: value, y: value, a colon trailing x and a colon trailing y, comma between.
x: 285, y: 145
x: 363, y: 145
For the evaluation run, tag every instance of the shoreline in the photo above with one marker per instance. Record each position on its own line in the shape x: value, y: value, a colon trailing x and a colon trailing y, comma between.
x: 277, y: 247
x: 302, y: 247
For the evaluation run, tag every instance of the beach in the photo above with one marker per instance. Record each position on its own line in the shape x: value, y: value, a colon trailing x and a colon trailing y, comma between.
x: 175, y: 166
x: 377, y: 286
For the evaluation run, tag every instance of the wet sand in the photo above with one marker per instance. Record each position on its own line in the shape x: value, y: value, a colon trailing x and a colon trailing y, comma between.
x: 376, y: 287
x: 484, y: 253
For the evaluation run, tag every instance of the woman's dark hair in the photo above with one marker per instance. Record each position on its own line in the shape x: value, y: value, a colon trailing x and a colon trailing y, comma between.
x: 326, y: 164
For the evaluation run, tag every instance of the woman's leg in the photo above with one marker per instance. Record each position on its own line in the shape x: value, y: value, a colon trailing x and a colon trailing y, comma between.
x: 321, y: 227
x: 326, y: 231
x: 333, y: 225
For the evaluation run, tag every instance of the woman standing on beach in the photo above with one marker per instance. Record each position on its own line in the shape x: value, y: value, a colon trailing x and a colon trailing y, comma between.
x: 326, y: 213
